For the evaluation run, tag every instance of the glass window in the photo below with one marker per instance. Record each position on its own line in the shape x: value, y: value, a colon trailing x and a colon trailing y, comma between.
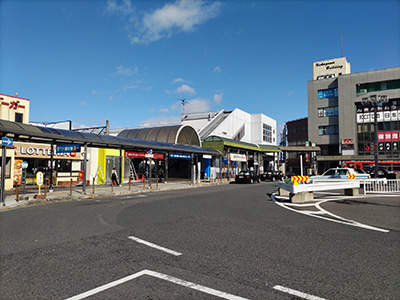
x: 19, y: 117
x: 328, y: 130
x: 328, y: 111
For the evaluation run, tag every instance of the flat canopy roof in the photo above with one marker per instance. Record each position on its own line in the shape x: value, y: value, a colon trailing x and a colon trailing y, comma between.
x: 37, y: 134
x: 300, y: 148
x: 217, y: 142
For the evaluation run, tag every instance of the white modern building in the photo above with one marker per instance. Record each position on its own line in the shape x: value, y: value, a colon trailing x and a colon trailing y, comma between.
x: 237, y: 125
x: 245, y: 140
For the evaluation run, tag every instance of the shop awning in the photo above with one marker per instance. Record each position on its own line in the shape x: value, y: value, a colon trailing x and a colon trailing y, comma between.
x: 37, y: 134
x: 219, y: 143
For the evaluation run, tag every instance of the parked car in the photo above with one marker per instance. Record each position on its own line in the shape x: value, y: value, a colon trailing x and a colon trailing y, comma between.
x: 247, y: 177
x: 382, y: 173
x: 270, y: 175
x: 340, y: 173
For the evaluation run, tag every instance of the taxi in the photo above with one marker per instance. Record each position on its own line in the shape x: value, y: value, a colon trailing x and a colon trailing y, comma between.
x: 341, y: 173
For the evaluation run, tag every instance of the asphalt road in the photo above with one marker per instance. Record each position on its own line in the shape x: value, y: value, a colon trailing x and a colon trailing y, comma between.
x: 222, y: 242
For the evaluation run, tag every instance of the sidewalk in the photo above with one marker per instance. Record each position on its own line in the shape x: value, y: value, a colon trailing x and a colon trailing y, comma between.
x: 64, y: 194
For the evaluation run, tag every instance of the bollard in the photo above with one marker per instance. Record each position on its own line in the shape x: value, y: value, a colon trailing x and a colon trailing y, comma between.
x: 144, y: 182
x: 45, y: 189
x: 157, y: 181
x: 16, y: 193
x: 112, y: 186
x: 130, y: 181
x: 93, y: 185
x: 70, y: 188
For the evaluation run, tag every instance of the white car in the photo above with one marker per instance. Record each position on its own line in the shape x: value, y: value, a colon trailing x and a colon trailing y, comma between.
x: 340, y: 173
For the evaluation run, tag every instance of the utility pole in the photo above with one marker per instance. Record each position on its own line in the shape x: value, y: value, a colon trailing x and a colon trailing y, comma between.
x: 183, y: 103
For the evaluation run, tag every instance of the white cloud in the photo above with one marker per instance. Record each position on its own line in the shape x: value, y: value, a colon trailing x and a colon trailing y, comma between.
x: 83, y: 103
x: 184, y: 88
x: 110, y: 98
x: 124, y: 71
x: 197, y: 105
x: 172, y: 18
x: 159, y: 121
x: 163, y: 109
x: 125, y: 8
x: 94, y: 92
x: 128, y: 87
x: 217, y: 69
x: 178, y: 80
x: 218, y: 98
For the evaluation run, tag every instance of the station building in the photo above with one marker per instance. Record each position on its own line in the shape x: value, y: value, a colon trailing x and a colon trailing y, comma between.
x: 342, y: 126
x: 245, y: 140
x: 174, y: 149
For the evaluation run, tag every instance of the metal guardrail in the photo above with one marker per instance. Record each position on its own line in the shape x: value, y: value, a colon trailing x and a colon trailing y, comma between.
x: 381, y: 185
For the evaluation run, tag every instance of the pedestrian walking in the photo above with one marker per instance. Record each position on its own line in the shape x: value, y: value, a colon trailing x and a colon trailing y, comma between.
x: 114, y: 177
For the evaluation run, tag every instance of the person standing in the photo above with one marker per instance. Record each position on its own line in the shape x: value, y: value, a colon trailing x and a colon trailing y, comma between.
x: 114, y: 177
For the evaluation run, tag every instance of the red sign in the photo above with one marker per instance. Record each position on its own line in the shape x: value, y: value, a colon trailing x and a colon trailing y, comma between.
x: 13, y: 105
x: 143, y: 155
x: 388, y: 136
x: 395, y: 135
x: 347, y: 141
x: 381, y: 136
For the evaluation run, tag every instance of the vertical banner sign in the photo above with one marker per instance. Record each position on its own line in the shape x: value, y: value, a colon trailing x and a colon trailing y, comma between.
x: 39, y: 180
x: 18, y: 171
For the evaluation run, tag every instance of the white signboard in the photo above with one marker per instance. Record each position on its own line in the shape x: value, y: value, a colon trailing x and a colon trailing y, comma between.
x: 238, y: 157
x: 39, y: 178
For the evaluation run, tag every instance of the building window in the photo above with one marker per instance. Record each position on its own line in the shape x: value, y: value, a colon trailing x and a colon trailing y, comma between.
x: 328, y: 111
x: 19, y: 117
x: 328, y: 130
x: 328, y: 93
x: 377, y: 86
x: 267, y: 133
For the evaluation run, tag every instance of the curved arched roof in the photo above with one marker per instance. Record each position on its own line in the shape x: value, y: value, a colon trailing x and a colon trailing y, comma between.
x: 174, y: 134
x: 38, y: 134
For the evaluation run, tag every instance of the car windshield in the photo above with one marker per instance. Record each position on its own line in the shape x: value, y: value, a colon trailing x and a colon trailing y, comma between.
x: 329, y: 172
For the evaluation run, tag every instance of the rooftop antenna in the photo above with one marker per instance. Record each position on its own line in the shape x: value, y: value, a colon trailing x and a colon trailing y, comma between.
x: 341, y: 42
x: 183, y: 103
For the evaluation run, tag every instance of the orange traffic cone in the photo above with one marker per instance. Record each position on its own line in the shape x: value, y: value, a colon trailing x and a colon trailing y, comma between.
x: 142, y: 178
x: 137, y: 177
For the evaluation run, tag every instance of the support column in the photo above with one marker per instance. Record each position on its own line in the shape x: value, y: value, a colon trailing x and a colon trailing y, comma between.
x: 84, y: 170
x: 166, y: 167
x: 120, y: 166
x: 3, y: 173
x: 51, y: 166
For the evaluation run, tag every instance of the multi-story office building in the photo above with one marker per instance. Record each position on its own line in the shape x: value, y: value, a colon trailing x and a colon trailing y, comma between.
x: 343, y: 126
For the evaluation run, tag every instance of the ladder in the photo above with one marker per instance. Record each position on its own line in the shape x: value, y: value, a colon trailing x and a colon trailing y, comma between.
x: 132, y: 170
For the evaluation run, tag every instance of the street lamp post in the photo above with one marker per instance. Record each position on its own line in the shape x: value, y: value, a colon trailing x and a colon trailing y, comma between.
x: 375, y: 100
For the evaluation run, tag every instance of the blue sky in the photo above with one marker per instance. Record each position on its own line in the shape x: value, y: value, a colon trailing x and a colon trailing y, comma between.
x: 130, y: 62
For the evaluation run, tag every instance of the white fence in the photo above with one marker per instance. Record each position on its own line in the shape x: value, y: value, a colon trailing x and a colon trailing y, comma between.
x: 381, y: 185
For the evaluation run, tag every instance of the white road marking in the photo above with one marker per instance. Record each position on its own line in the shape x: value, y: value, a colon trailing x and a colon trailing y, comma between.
x: 317, y: 214
x: 102, y: 221
x: 154, y: 246
x: 175, y: 280
x: 296, y: 293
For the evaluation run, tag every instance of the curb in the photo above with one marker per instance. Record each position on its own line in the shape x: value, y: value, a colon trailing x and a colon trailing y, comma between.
x: 66, y: 198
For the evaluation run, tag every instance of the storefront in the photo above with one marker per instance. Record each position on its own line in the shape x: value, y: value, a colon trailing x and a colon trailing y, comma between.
x: 239, y: 156
x: 37, y: 158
